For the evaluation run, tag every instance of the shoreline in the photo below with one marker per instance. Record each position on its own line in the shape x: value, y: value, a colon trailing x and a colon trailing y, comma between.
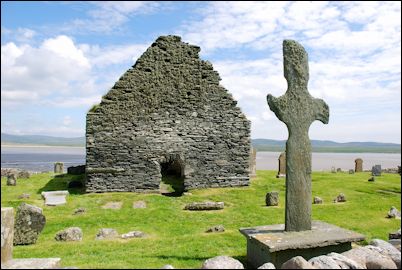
x: 39, y: 145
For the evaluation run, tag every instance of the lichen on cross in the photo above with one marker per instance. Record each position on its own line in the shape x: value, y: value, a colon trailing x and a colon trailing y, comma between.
x: 298, y: 109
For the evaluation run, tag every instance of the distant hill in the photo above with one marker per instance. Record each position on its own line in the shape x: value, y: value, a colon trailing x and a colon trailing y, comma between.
x: 259, y: 144
x: 41, y: 140
x: 330, y: 146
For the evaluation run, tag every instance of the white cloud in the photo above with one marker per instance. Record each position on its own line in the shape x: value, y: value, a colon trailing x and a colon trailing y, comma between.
x: 107, y: 16
x: 110, y: 55
x: 67, y: 120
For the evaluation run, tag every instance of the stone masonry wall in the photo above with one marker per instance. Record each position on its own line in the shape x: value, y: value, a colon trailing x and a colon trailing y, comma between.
x: 168, y: 108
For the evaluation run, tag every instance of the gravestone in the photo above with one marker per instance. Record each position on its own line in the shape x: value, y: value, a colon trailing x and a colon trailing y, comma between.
x: 7, y: 240
x: 53, y: 198
x: 351, y: 171
x: 7, y: 234
x: 282, y: 165
x: 299, y: 235
x: 358, y: 165
x: 58, y: 167
x: 333, y: 170
x: 272, y: 198
x: 12, y: 179
x: 376, y: 170
x: 253, y: 163
x: 29, y: 223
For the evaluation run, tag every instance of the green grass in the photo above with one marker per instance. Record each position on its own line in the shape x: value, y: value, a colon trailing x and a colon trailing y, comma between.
x: 176, y: 236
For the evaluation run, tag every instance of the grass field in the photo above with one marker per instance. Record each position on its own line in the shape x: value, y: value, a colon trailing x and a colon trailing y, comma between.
x: 176, y: 236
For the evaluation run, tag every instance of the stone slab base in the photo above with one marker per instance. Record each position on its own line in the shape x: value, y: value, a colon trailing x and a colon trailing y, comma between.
x: 34, y: 263
x: 272, y: 244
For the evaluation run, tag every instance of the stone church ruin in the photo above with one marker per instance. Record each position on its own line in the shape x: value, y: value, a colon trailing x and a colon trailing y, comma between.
x: 167, y: 116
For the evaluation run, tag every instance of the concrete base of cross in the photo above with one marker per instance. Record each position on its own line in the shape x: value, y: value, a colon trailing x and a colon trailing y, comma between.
x: 272, y: 244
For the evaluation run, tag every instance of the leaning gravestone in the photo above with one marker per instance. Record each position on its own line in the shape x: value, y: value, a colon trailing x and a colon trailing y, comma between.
x: 58, y: 167
x: 29, y: 223
x: 358, y: 165
x: 282, y: 165
x: 376, y: 170
x: 299, y: 235
x: 272, y: 198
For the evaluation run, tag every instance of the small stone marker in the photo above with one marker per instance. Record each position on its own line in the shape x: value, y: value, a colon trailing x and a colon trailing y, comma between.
x: 214, y: 229
x: 69, y: 234
x: 24, y: 196
x: 53, y: 198
x: 339, y: 170
x: 253, y: 163
x: 106, y: 233
x: 11, y: 179
x: 197, y: 206
x: 58, y: 167
x: 298, y: 109
x: 222, y: 262
x: 395, y: 235
x: 282, y: 165
x: 139, y: 204
x: 272, y: 198
x: 340, y: 198
x: 351, y: 171
x: 112, y: 205
x: 29, y: 223
x: 376, y: 170
x: 317, y: 200
x: 333, y: 170
x: 394, y: 213
x: 358, y: 165
x: 24, y: 174
x: 7, y: 234
x: 133, y: 234
x: 80, y: 210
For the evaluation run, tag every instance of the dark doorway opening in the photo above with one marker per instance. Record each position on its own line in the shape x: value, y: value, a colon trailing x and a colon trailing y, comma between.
x: 172, y: 182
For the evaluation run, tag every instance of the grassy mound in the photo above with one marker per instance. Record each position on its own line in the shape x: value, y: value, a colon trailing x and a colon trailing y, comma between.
x: 178, y: 237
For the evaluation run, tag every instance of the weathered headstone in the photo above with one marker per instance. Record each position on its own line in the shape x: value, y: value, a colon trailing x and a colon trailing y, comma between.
x: 58, y: 167
x: 340, y: 198
x: 297, y: 109
x: 197, y: 206
x: 69, y: 234
x: 12, y: 179
x: 7, y: 239
x: 351, y: 171
x: 106, y: 233
x: 216, y: 228
x: 53, y: 198
x: 282, y: 165
x: 376, y: 170
x: 317, y: 200
x: 7, y: 233
x: 358, y: 165
x: 29, y: 223
x: 333, y: 169
x: 299, y: 235
x: 133, y: 234
x: 272, y: 198
x: 338, y: 170
x: 139, y: 204
x: 24, y: 174
x: 253, y: 163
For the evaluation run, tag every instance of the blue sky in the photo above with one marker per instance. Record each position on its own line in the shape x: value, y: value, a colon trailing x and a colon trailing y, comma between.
x: 59, y: 58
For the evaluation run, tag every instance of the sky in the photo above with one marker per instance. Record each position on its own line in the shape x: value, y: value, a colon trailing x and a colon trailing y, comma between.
x: 59, y: 58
